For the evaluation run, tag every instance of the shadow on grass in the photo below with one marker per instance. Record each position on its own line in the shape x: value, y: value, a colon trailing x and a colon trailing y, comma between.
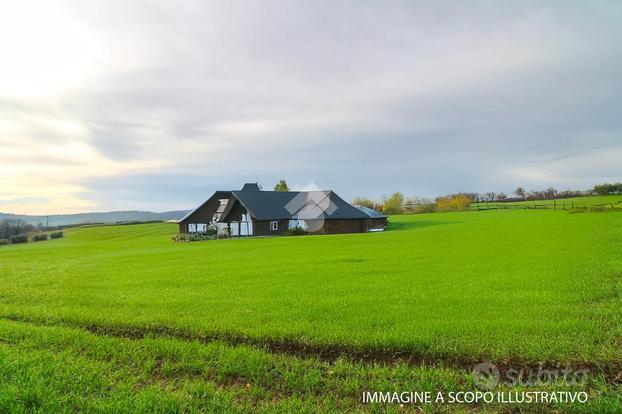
x: 413, y: 225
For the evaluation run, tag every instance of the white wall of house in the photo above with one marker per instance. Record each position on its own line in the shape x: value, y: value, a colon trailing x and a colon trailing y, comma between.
x: 197, y: 227
x: 235, y: 228
x: 246, y: 228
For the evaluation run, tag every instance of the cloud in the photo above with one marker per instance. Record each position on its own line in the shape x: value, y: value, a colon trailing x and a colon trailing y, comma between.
x: 162, y: 103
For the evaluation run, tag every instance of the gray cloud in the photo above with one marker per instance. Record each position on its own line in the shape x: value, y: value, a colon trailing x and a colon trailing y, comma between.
x: 363, y: 97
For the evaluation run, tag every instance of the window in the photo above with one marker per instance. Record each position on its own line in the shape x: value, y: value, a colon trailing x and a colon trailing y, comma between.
x: 274, y: 225
x: 297, y: 224
x: 192, y: 228
x: 201, y: 228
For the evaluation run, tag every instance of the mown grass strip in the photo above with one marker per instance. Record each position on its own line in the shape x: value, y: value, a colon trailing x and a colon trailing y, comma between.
x: 609, y: 370
x: 57, y: 368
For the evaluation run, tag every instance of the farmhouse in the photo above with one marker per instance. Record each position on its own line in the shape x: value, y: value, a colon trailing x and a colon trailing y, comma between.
x: 253, y: 212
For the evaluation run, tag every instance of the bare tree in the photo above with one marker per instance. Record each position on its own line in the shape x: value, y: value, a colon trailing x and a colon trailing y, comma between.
x: 550, y: 192
x: 10, y: 227
x: 520, y: 192
x: 364, y: 202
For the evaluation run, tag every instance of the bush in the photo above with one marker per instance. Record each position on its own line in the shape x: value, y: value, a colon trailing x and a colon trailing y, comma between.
x: 223, y: 234
x: 191, y: 237
x: 56, y: 235
x: 202, y: 236
x: 4, y: 242
x: 180, y: 237
x: 21, y: 238
x: 455, y: 202
x: 297, y: 231
x: 39, y: 237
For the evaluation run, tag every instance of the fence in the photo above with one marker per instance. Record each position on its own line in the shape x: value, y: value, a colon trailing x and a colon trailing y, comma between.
x: 541, y: 205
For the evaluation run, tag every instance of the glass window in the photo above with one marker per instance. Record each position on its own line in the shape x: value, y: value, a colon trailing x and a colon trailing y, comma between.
x: 192, y: 228
x: 274, y: 225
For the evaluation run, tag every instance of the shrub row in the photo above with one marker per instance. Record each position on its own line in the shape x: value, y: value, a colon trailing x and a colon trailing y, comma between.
x: 22, y: 238
x: 39, y: 237
x: 200, y: 236
x: 297, y: 231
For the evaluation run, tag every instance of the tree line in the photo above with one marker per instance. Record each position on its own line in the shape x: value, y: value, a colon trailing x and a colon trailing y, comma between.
x: 605, y: 189
x: 16, y: 231
x: 397, y: 203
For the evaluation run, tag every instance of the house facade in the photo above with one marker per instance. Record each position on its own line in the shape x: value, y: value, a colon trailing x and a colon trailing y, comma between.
x: 253, y: 212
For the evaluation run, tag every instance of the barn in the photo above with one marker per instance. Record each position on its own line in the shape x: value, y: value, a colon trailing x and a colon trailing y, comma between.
x: 254, y: 212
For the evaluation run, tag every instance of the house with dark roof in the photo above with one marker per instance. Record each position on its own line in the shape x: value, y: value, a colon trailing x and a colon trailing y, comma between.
x: 254, y: 212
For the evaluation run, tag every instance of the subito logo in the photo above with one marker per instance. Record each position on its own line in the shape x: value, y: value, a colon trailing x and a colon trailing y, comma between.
x: 486, y: 376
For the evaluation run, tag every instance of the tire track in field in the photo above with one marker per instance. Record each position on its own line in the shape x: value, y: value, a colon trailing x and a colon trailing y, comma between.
x: 610, y: 370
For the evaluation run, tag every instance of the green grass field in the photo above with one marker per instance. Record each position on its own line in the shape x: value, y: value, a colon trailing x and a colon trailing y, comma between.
x: 120, y: 318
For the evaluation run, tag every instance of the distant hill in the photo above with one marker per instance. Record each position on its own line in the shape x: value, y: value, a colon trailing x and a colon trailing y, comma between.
x: 98, y: 217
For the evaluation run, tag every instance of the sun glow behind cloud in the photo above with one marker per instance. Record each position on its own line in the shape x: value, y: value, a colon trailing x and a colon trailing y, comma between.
x: 47, y: 57
x: 44, y: 52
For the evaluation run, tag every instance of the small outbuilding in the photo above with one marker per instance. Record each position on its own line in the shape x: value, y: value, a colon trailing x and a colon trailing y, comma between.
x: 254, y: 212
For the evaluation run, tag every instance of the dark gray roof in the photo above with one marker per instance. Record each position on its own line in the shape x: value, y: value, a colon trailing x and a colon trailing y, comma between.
x: 251, y: 187
x: 223, y: 194
x: 277, y: 205
x: 371, y: 212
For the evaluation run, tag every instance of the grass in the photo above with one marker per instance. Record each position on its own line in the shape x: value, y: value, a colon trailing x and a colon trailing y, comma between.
x: 120, y: 317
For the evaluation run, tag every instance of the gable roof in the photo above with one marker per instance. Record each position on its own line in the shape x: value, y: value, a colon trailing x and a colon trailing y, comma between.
x: 279, y: 205
x: 222, y: 194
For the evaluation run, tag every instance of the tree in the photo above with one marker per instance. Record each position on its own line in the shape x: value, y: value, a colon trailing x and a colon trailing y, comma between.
x: 9, y: 227
x: 601, y: 189
x: 364, y: 202
x: 604, y: 189
x: 453, y: 202
x: 501, y: 196
x: 474, y: 197
x: 281, y: 186
x: 410, y: 204
x: 550, y: 192
x: 520, y: 192
x: 393, y: 204
x: 490, y: 196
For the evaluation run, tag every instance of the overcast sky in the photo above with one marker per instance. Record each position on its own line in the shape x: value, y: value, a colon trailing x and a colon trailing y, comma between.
x: 115, y: 105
